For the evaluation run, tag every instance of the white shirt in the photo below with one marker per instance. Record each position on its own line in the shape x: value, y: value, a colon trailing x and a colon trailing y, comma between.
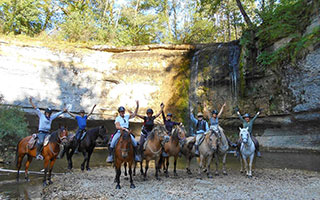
x: 124, y: 121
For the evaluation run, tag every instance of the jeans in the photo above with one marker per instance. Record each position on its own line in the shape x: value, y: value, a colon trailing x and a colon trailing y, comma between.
x: 79, y: 133
x: 116, y: 138
x: 41, y: 136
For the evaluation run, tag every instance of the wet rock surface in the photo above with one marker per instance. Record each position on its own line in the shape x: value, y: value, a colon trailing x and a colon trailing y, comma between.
x: 265, y: 184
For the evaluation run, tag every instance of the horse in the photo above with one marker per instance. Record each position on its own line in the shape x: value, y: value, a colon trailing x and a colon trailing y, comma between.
x: 207, y: 150
x: 172, y: 148
x: 124, y: 153
x: 153, y: 149
x: 188, y: 151
x: 86, y: 146
x: 223, y: 147
x: 247, y: 150
x: 49, y: 153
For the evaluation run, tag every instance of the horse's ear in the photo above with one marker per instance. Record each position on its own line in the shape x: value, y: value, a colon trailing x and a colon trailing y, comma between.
x: 240, y: 128
x: 247, y: 128
x: 102, y: 126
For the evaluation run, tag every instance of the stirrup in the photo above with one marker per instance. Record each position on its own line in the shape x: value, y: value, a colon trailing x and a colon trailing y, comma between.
x: 39, y: 157
x: 110, y: 159
x: 137, y: 158
x: 164, y: 154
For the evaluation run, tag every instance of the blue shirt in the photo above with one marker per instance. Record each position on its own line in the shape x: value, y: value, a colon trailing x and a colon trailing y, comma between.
x: 44, y: 122
x: 214, y: 122
x: 82, y: 121
x: 124, y: 121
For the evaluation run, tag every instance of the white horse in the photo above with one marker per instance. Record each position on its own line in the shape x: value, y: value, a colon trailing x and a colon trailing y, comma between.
x: 247, y: 150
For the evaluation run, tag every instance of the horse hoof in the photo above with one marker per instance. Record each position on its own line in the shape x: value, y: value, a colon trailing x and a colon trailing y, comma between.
x: 50, y: 182
x: 144, y: 178
x: 132, y: 186
x: 126, y: 178
x: 159, y: 179
x: 167, y: 175
x: 225, y: 173
x: 241, y: 171
x: 82, y: 168
x: 189, y: 172
x: 27, y: 180
x: 118, y: 187
x: 249, y: 176
x: 175, y: 174
x: 44, y: 184
x: 210, y: 176
x: 88, y: 169
x: 216, y: 174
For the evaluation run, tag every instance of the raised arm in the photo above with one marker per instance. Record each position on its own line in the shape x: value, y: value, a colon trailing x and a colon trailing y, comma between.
x: 35, y: 107
x: 221, y: 110
x: 161, y: 110
x: 55, y: 115
x: 239, y: 115
x: 72, y: 115
x: 206, y: 112
x: 255, y: 117
x: 163, y: 117
x: 92, y: 110
x: 132, y: 115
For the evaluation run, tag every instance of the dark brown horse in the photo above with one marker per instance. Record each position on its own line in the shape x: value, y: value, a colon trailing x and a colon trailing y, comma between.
x: 124, y: 153
x: 172, y: 148
x: 49, y: 153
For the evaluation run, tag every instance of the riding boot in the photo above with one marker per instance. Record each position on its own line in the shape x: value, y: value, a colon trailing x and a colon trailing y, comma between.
x: 110, y: 157
x: 77, y: 148
x: 196, y: 150
x: 137, y: 156
x: 39, y: 151
x: 164, y: 154
x: 231, y: 144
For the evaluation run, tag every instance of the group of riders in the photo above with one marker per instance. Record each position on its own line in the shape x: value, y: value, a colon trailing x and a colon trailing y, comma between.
x: 122, y: 124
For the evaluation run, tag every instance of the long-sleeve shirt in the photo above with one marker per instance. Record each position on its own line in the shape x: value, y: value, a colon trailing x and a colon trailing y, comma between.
x: 245, y: 124
x: 198, y: 123
x: 44, y: 122
x: 168, y: 123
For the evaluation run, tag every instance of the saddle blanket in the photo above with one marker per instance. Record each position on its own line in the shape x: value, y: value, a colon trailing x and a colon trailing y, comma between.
x: 34, y: 138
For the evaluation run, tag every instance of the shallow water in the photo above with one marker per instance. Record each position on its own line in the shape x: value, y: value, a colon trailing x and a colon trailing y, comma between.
x: 9, y: 188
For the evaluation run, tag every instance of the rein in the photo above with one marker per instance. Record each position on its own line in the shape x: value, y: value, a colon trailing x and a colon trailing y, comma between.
x: 154, y: 152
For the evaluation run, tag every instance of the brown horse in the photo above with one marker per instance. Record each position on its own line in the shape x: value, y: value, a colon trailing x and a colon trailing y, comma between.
x: 124, y: 153
x: 172, y: 148
x: 49, y: 153
x: 153, y: 149
x: 188, y: 151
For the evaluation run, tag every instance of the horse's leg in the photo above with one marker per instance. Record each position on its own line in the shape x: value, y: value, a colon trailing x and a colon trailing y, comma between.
x: 200, y: 164
x: 134, y: 167
x: 245, y: 163
x: 250, y: 166
x: 208, y: 166
x: 158, y: 165
x: 19, y: 160
x: 69, y: 158
x: 224, y: 171
x: 217, y: 164
x: 27, y: 168
x: 146, y: 170
x: 166, y: 163
x: 241, y: 164
x: 85, y: 155
x: 175, y: 166
x: 188, y: 164
x: 125, y: 169
x: 46, y: 163
x: 141, y: 168
x: 88, y: 159
x: 50, y: 170
x: 118, y: 173
x: 130, y: 173
x: 61, y: 154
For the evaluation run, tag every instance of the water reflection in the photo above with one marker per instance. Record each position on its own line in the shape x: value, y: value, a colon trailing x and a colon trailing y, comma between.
x: 9, y: 188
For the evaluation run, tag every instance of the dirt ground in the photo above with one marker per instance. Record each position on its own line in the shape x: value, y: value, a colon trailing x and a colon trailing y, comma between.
x: 265, y: 184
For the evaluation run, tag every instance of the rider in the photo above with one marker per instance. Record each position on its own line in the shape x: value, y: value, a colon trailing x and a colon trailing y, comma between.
x: 247, y: 123
x: 201, y: 126
x: 122, y: 123
x: 82, y: 123
x: 148, y: 124
x: 45, y: 121
x: 214, y: 121
x: 168, y: 123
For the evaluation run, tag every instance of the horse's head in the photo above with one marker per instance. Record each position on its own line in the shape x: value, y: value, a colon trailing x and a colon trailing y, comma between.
x: 181, y: 132
x: 244, y: 135
x: 215, y: 130
x: 212, y: 141
x: 63, y: 135
x: 103, y: 133
x: 124, y: 142
x: 161, y: 132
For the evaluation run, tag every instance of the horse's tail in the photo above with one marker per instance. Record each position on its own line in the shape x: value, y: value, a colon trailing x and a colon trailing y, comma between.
x: 17, y: 153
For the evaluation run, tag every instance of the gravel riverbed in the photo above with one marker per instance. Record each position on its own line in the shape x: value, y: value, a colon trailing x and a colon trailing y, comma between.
x: 265, y: 184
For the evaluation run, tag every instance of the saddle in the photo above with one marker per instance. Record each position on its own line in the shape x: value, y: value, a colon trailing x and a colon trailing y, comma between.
x: 83, y: 135
x: 34, y: 138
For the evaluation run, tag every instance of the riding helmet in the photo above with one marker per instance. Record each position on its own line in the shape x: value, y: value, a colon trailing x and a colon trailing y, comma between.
x: 214, y: 112
x: 48, y: 110
x: 150, y: 111
x: 169, y: 114
x: 199, y: 114
x: 82, y: 111
x: 121, y: 109
x: 247, y: 115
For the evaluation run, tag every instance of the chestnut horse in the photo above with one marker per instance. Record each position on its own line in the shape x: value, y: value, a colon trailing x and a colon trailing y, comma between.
x: 172, y: 148
x: 124, y: 153
x: 49, y: 153
x: 153, y: 149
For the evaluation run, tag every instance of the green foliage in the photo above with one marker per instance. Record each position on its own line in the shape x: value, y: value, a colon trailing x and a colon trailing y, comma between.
x: 13, y: 125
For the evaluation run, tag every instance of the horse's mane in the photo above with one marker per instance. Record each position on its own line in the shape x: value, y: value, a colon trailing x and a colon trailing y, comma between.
x: 54, y: 135
x: 93, y: 130
x: 125, y: 135
x: 156, y: 128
